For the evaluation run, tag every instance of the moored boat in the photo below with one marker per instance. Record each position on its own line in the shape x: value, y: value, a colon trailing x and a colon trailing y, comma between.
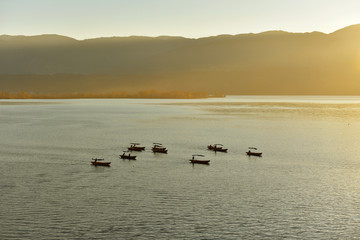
x: 200, y: 161
x: 99, y: 162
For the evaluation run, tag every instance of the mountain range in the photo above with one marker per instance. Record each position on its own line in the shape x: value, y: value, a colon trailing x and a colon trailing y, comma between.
x: 273, y: 62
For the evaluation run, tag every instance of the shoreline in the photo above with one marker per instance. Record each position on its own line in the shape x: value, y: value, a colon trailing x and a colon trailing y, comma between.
x: 147, y: 94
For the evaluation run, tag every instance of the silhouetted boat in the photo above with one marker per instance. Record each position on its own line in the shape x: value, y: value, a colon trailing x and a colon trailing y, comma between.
x: 98, y: 162
x: 217, y: 148
x: 134, y: 147
x: 129, y: 157
x: 200, y: 161
x: 250, y: 153
x: 158, y: 148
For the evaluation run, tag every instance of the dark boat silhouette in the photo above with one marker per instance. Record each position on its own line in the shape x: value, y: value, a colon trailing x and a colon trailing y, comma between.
x: 217, y: 148
x: 135, y: 147
x: 158, y: 148
x: 200, y: 161
x: 256, y: 154
x: 99, y: 162
x: 129, y: 157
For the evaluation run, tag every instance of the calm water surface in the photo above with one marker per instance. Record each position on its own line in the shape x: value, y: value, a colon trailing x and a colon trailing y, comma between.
x: 306, y: 185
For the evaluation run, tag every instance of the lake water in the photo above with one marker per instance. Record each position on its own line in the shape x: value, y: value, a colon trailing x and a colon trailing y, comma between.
x: 306, y: 185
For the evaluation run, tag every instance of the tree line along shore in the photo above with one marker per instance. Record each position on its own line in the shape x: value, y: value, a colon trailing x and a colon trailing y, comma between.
x: 124, y: 94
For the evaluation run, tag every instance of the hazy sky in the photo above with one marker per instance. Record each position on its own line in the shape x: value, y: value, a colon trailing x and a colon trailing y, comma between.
x: 190, y: 18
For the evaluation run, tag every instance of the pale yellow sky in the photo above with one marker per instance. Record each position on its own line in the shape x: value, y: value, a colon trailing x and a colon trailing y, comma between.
x: 88, y: 19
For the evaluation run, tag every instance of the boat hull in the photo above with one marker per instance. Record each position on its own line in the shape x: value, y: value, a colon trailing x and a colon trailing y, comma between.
x: 220, y: 149
x: 105, y: 164
x: 159, y: 150
x: 254, y: 154
x: 128, y: 157
x: 199, y: 161
x: 138, y: 149
x: 217, y: 149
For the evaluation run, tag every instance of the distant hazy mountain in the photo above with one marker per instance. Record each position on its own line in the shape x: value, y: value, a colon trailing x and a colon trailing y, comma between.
x: 273, y: 62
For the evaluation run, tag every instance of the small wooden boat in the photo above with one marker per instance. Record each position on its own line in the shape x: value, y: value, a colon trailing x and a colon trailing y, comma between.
x: 158, y: 148
x: 200, y: 161
x: 135, y: 147
x: 98, y: 162
x: 217, y: 148
x: 129, y: 157
x: 250, y: 153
